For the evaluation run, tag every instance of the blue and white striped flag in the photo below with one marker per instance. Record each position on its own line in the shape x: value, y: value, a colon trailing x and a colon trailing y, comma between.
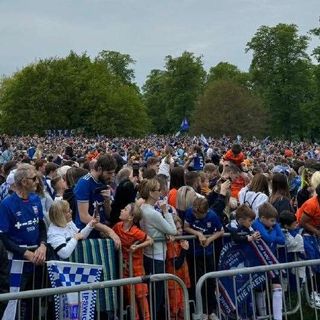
x: 204, y: 141
x: 66, y: 274
x: 16, y: 271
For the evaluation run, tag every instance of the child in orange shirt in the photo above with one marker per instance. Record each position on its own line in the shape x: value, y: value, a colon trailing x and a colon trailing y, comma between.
x: 176, y: 264
x: 235, y: 155
x: 129, y: 234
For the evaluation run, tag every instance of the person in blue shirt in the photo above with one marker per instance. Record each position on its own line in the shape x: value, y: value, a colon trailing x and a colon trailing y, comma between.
x: 241, y: 232
x: 272, y: 235
x: 21, y: 222
x: 4, y: 276
x: 240, y: 228
x: 195, y: 160
x: 93, y: 190
x: 23, y: 231
x: 203, y: 223
x: 268, y: 227
x: 31, y: 151
x: 148, y: 153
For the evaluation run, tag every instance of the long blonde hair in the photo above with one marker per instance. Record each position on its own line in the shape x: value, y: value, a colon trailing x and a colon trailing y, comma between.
x: 57, y: 213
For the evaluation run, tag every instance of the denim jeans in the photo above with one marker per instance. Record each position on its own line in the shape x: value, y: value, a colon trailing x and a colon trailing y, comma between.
x: 152, y: 266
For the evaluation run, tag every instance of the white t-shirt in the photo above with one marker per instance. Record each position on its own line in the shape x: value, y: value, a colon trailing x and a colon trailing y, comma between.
x: 164, y: 167
x: 252, y: 199
x: 62, y: 239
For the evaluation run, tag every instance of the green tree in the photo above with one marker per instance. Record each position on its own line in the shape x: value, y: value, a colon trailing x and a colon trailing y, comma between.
x: 281, y: 73
x: 171, y: 94
x: 229, y: 108
x: 118, y: 64
x: 70, y: 93
x: 155, y: 99
x: 311, y: 109
x: 184, y: 83
x: 228, y: 71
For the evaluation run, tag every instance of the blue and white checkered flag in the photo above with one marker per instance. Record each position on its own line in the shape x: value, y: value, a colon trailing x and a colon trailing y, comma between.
x: 66, y: 274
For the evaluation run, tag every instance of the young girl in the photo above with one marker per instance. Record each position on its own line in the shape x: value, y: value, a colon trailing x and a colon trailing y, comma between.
x: 63, y: 235
x: 59, y: 186
x: 129, y: 234
x: 177, y: 264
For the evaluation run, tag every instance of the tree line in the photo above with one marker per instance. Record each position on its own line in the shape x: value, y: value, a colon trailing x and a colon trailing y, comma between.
x: 278, y: 96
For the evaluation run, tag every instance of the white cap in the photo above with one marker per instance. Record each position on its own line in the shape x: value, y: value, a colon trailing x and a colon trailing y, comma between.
x: 63, y: 171
x: 10, y: 177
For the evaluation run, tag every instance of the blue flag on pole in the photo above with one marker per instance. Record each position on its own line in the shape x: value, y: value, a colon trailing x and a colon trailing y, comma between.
x: 204, y: 141
x: 184, y: 125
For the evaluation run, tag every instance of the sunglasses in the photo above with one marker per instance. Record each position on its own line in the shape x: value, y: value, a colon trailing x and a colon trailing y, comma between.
x: 34, y: 179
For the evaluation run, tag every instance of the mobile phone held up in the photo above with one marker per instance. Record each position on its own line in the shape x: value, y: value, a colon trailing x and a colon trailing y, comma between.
x: 135, y: 169
x: 99, y: 189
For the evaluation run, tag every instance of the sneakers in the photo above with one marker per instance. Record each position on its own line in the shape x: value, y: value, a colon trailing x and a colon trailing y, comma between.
x: 315, y: 299
x: 212, y: 316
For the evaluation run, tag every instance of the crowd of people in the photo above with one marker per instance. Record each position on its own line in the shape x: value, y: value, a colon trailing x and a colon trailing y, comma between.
x: 57, y: 191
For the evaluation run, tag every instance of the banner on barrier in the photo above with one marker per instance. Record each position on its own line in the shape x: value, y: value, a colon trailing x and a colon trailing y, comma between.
x: 66, y: 274
x: 236, y: 291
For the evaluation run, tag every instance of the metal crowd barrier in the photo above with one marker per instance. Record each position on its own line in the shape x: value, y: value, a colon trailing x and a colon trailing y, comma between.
x: 208, y: 263
x: 217, y: 275
x: 35, y: 279
x: 38, y: 294
x: 294, y: 292
x: 292, y: 297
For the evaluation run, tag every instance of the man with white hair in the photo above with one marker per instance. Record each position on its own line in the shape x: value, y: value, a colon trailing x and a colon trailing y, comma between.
x: 22, y: 228
x: 21, y: 221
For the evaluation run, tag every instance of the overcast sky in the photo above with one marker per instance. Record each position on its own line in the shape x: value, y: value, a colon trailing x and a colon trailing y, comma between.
x: 148, y: 30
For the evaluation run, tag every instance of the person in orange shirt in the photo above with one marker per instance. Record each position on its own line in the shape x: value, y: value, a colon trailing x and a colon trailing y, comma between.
x: 288, y: 153
x: 176, y: 264
x: 308, y: 215
x: 235, y: 155
x: 177, y: 181
x: 129, y: 235
x: 93, y: 155
x: 237, y: 178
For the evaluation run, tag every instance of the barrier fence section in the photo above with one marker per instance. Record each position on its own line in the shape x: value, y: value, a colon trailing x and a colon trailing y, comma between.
x: 38, y: 294
x: 199, y: 265
x: 196, y: 261
x: 262, y: 270
x: 296, y: 287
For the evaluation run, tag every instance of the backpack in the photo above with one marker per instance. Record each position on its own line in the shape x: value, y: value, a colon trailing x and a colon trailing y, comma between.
x: 247, y: 203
